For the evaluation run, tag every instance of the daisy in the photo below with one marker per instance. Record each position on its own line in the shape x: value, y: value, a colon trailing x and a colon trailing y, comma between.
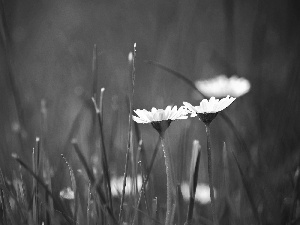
x: 67, y: 193
x: 202, y: 194
x: 222, y: 86
x: 208, y: 109
x: 160, y: 119
x: 116, y: 184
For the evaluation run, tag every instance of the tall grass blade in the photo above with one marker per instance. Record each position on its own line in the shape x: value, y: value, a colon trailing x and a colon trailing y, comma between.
x: 107, y: 210
x: 129, y: 139
x: 74, y: 188
x: 6, y: 40
x: 194, y: 169
x: 143, y: 168
x: 95, y: 71
x: 36, y: 167
x: 4, y: 217
x: 126, y: 167
x: 154, y: 211
x: 147, y: 176
x: 89, y: 196
x: 247, y: 185
x: 41, y: 182
x: 83, y: 161
x: 179, y: 203
x: 176, y: 74
x: 104, y: 156
x: 44, y: 162
x: 101, y: 103
x: 144, y: 191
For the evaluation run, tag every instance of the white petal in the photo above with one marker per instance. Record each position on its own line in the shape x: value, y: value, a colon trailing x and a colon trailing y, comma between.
x: 139, y: 120
x: 190, y: 107
x: 143, y: 114
x: 168, y: 112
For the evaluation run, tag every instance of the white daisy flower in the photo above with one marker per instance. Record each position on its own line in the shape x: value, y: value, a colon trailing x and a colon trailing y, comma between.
x: 208, y: 109
x: 116, y: 184
x: 155, y: 115
x: 202, y: 194
x: 67, y: 193
x: 222, y: 86
x: 160, y: 118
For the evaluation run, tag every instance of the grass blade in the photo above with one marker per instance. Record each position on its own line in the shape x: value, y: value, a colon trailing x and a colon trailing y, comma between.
x: 107, y: 210
x: 179, y: 203
x: 83, y: 161
x: 88, y: 205
x: 176, y: 74
x: 73, y: 184
x: 145, y: 181
x: 101, y: 103
x: 154, y: 211
x: 194, y: 169
x: 35, y: 188
x: 246, y: 185
x: 129, y: 140
x: 9, y: 75
x: 126, y: 165
x: 3, y: 207
x: 5, y: 202
x: 41, y: 182
x: 95, y: 71
x: 103, y: 155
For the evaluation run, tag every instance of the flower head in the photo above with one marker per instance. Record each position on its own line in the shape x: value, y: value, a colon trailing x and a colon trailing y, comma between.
x: 222, y: 86
x: 202, y: 194
x: 116, y: 184
x: 160, y: 118
x: 67, y: 193
x: 208, y: 109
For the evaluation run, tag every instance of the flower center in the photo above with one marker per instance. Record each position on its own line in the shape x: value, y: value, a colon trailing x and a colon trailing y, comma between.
x: 161, y: 126
x: 207, y: 117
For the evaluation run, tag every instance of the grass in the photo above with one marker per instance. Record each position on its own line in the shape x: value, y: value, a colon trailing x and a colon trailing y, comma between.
x: 255, y: 183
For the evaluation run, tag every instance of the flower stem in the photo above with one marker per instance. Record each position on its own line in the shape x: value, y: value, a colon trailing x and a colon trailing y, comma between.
x: 210, y: 178
x: 169, y: 182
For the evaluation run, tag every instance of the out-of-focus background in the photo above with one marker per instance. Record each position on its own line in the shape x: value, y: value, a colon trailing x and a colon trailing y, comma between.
x: 47, y: 81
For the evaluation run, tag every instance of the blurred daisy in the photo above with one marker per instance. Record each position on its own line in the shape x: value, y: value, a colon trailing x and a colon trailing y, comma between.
x: 208, y: 109
x: 116, y: 184
x: 160, y: 118
x: 202, y: 194
x: 222, y: 86
x: 67, y: 193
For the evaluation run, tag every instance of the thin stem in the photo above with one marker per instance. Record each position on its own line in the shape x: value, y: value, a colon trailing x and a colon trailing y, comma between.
x: 129, y: 140
x: 190, y: 211
x: 169, y: 182
x: 104, y: 155
x: 195, y: 162
x: 210, y: 177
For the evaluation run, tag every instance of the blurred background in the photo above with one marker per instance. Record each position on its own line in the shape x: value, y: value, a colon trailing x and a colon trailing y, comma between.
x: 46, y: 83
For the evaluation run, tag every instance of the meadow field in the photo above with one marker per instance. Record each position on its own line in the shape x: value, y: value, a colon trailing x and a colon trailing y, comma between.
x: 75, y: 76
